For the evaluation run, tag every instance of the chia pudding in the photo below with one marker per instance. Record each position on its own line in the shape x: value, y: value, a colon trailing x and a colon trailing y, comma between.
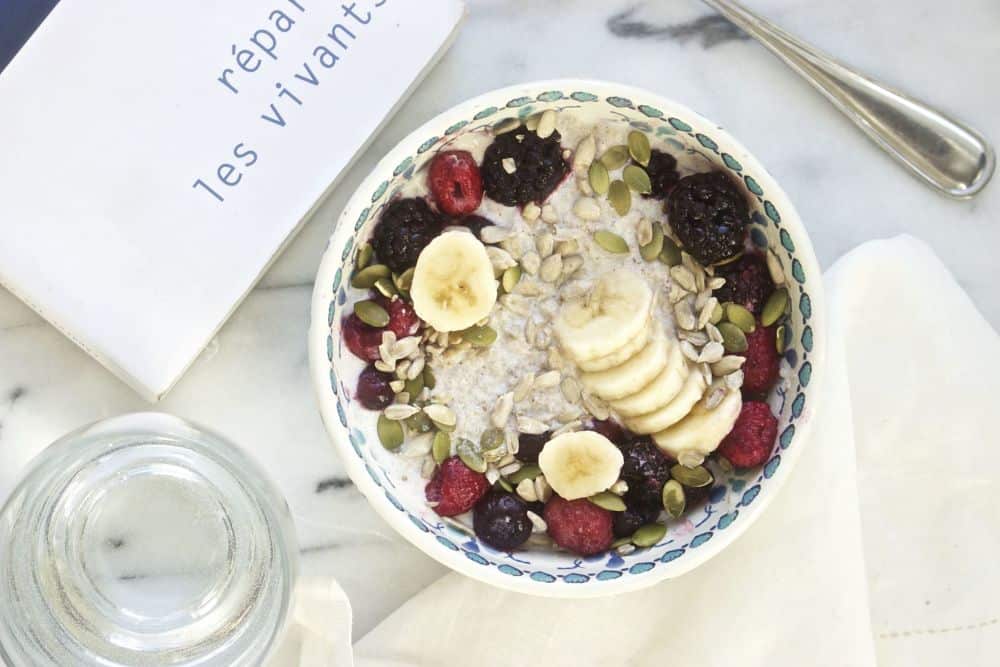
x: 568, y: 334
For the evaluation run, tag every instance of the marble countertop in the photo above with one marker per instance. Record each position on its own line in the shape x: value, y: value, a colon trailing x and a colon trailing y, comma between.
x: 252, y: 382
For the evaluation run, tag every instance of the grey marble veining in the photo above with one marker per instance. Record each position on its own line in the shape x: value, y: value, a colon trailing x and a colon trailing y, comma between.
x: 252, y: 384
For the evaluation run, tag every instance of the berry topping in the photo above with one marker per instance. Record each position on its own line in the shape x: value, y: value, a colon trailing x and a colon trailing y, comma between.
x: 643, y: 460
x: 374, y: 391
x: 501, y: 520
x: 579, y: 525
x: 760, y: 371
x: 709, y: 214
x: 748, y: 282
x: 361, y: 339
x: 405, y: 228
x: 403, y: 320
x: 520, y: 167
x: 529, y: 446
x: 627, y: 522
x: 750, y: 442
x: 662, y: 170
x: 610, y: 430
x: 455, y: 488
x: 455, y: 182
x: 694, y: 496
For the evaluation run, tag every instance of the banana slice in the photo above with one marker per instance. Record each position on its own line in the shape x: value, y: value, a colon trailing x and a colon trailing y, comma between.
x: 622, y: 354
x: 702, y: 430
x: 660, y: 391
x: 580, y: 464
x: 453, y: 284
x: 634, y: 374
x: 672, y: 412
x: 607, y: 319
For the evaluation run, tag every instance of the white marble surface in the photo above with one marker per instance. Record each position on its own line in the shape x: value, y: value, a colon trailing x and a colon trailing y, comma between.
x: 252, y: 383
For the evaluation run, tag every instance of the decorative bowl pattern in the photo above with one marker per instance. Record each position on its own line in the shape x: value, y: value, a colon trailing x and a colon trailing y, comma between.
x: 735, y: 501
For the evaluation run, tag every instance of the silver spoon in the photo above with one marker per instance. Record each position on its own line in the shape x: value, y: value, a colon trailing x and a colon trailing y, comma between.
x: 945, y: 153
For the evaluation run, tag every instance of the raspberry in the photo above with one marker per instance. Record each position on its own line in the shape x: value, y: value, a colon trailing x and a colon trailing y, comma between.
x: 361, y: 339
x: 455, y: 488
x: 455, y: 182
x: 403, y: 320
x: 501, y: 520
x: 530, y: 446
x: 709, y: 214
x: 662, y: 170
x: 405, y: 228
x: 579, y: 525
x: 374, y: 391
x: 750, y: 442
x: 748, y: 282
x: 760, y: 370
x: 538, y: 167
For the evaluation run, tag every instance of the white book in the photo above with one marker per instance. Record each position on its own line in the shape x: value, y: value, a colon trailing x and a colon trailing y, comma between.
x: 156, y: 156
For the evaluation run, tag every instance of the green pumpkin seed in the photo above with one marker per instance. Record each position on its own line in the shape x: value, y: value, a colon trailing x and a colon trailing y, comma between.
x: 371, y: 313
x: 414, y: 387
x: 470, y: 455
x: 419, y: 423
x: 673, y: 498
x: 774, y: 308
x: 620, y: 197
x: 733, y: 338
x: 429, y: 380
x: 527, y: 471
x: 651, y: 250
x: 779, y: 339
x: 390, y: 433
x: 620, y: 542
x: 480, y: 336
x: 638, y: 147
x: 366, y: 277
x: 671, y: 254
x: 615, y: 157
x: 611, y: 241
x: 637, y: 179
x: 365, y: 253
x: 441, y: 446
x: 649, y: 534
x: 491, y: 439
x: 404, y: 280
x: 510, y: 278
x: 729, y: 260
x: 505, y: 485
x: 386, y: 287
x: 608, y: 501
x: 741, y: 317
x: 598, y: 177
x: 717, y: 313
x: 695, y: 478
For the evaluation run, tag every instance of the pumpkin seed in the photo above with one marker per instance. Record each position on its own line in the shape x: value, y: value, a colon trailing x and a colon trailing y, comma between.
x: 649, y: 534
x: 429, y: 380
x: 386, y: 287
x: 611, y: 241
x: 652, y: 250
x: 546, y: 124
x: 584, y: 154
x: 441, y: 447
x: 371, y: 313
x: 717, y: 313
x: 598, y: 177
x: 733, y: 338
x: 419, y: 423
x: 741, y: 317
x: 673, y: 498
x: 414, y: 386
x: 510, y: 278
x: 620, y: 197
x: 404, y: 280
x: 527, y: 471
x: 779, y: 339
x: 615, y: 157
x: 637, y: 179
x: 638, y: 147
x: 364, y: 256
x: 390, y: 433
x: 695, y: 478
x: 621, y: 541
x: 608, y: 501
x: 470, y: 455
x: 671, y: 254
x: 505, y: 485
x: 480, y: 336
x: 366, y: 277
x: 774, y: 308
x: 491, y: 439
x: 441, y: 415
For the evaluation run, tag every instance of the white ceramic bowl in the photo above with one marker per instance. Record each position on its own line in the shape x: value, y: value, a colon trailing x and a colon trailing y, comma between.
x: 735, y: 502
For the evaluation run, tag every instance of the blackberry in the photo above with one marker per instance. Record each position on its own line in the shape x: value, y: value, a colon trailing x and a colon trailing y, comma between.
x: 709, y: 214
x: 662, y: 170
x: 627, y: 522
x: 405, y: 228
x: 748, y: 282
x: 529, y: 446
x: 501, y: 520
x: 643, y: 460
x: 475, y: 223
x: 538, y: 167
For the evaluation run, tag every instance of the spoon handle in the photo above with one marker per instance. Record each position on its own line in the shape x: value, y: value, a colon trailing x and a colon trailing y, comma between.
x: 943, y: 152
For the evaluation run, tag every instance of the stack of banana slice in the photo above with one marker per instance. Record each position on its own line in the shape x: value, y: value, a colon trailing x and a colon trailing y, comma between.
x: 625, y: 358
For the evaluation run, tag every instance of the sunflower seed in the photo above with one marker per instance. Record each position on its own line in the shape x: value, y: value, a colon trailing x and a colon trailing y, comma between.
x: 385, y: 367
x: 706, y: 373
x: 608, y: 501
x: 492, y: 474
x: 366, y: 277
x: 670, y: 254
x: 508, y: 165
x: 711, y: 353
x: 555, y: 360
x: 568, y: 416
x: 734, y: 380
x: 673, y: 498
x: 583, y: 185
x: 501, y: 410
x: 716, y: 283
x: 530, y: 212
x: 549, y: 214
x: 649, y: 534
x: 494, y: 234
x: 713, y: 397
x: 684, y: 315
x: 402, y: 397
x: 526, y: 489
x: 480, y: 336
x: 741, y: 317
x: 619, y: 488
x: 538, y: 524
x: 611, y: 241
x: 595, y: 406
x: 531, y: 122
x: 587, y: 208
x: 625, y: 549
x: 546, y: 124
x: 707, y: 310
x: 728, y: 364
x: 390, y: 433
x: 569, y: 427
x: 547, y: 380
x: 397, y: 386
x: 500, y: 259
x: 570, y: 390
x: 417, y: 447
x: 585, y: 152
x: 415, y: 370
x: 400, y: 412
x: 615, y: 157
x: 470, y: 455
x: 543, y: 491
x: 689, y: 350
x: 404, y: 347
x: 638, y: 147
x: 774, y: 308
x: 683, y: 276
x: 598, y: 178
x: 733, y: 338
x: 701, y: 299
x: 620, y: 197
x: 531, y: 426
x: 676, y: 293
x: 637, y: 179
x: 528, y: 471
x: 696, y: 477
x: 441, y: 414
x: 402, y: 367
x: 568, y: 247
x: 545, y: 244
x: 774, y: 268
x: 696, y: 338
x: 506, y: 125
x: 551, y: 268
x: 371, y: 313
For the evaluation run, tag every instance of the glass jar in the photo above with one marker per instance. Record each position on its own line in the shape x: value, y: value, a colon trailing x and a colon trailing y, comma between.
x: 144, y: 540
